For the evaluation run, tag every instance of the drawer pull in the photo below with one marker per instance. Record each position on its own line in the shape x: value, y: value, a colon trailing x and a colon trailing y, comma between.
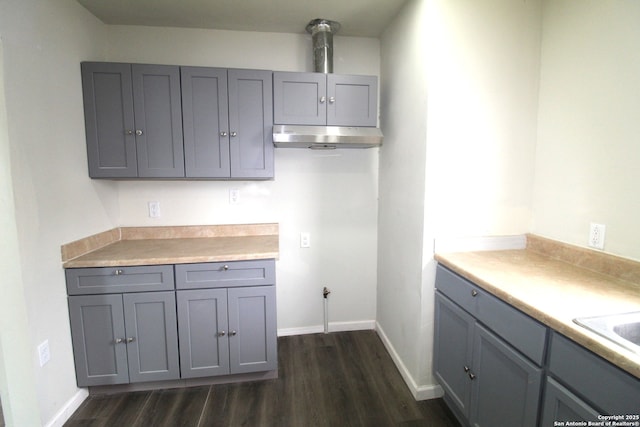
x: 472, y: 376
x: 130, y: 340
x: 226, y: 267
x: 233, y: 333
x: 474, y: 293
x: 118, y: 272
x: 222, y: 333
x: 466, y: 369
x: 119, y: 340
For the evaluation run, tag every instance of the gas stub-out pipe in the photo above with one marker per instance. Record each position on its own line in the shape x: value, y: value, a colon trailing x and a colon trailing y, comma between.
x: 325, y: 294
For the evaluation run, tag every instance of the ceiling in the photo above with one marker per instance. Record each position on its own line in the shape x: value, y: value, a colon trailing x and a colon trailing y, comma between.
x: 361, y: 18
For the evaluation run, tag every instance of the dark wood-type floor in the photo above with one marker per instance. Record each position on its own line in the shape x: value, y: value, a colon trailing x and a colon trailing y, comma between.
x: 339, y: 379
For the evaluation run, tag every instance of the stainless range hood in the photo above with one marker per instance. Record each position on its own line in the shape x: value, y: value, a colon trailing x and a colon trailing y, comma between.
x: 326, y: 137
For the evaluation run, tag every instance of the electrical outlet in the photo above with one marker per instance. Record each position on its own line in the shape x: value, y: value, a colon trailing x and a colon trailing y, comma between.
x: 596, y: 236
x: 234, y: 196
x: 154, y: 209
x: 43, y: 353
x: 305, y: 239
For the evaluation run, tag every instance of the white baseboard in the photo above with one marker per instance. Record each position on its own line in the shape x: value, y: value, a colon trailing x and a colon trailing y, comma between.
x: 361, y: 325
x: 63, y: 415
x: 424, y: 392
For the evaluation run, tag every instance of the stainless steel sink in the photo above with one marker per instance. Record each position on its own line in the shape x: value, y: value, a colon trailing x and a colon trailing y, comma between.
x: 622, y: 329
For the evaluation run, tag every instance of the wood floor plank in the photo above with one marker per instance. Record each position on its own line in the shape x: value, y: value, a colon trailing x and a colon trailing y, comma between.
x: 178, y: 407
x: 342, y: 379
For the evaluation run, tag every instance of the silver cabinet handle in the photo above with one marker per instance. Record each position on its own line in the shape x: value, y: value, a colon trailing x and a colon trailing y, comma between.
x: 128, y: 132
x: 466, y: 369
x: 322, y: 99
x: 131, y: 339
x: 222, y: 333
x: 118, y: 272
x: 332, y: 100
x: 225, y: 267
x: 474, y: 293
x: 234, y: 134
x: 119, y: 340
x: 223, y: 134
x: 233, y: 333
x: 138, y: 132
x: 472, y: 376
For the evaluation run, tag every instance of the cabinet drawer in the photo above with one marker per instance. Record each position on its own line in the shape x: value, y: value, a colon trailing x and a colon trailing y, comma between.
x: 459, y: 290
x: 225, y: 274
x: 109, y: 280
x: 521, y: 331
x: 603, y: 385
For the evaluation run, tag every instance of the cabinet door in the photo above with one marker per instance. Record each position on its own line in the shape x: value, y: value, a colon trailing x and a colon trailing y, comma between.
x: 158, y: 118
x: 203, y: 332
x: 97, y: 330
x: 299, y: 98
x: 251, y: 123
x: 205, y: 116
x: 152, y: 336
x: 505, y: 387
x: 453, y: 348
x: 252, y: 325
x: 352, y: 100
x: 562, y: 405
x: 109, y: 122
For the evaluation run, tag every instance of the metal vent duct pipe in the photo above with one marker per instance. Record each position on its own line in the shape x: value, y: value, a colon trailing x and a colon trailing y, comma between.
x: 322, y: 31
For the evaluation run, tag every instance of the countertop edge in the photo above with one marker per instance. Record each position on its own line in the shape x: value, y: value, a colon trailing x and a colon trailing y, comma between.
x: 76, y: 249
x: 624, y: 359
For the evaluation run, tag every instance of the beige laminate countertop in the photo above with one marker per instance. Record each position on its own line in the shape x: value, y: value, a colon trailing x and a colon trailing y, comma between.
x: 173, y: 245
x: 554, y: 292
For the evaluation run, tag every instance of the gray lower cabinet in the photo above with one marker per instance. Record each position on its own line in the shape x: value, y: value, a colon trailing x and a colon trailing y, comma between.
x: 133, y: 120
x: 227, y: 317
x: 122, y: 338
x: 228, y: 118
x: 492, y: 360
x: 325, y: 99
x: 227, y: 331
x: 584, y: 376
x: 480, y: 372
x: 560, y: 405
x: 165, y: 322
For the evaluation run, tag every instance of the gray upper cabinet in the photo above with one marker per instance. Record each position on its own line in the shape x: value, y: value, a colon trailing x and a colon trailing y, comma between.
x: 251, y: 124
x: 164, y: 121
x: 133, y: 120
x: 227, y: 118
x: 205, y: 115
x: 325, y: 99
x: 158, y: 118
x: 109, y: 122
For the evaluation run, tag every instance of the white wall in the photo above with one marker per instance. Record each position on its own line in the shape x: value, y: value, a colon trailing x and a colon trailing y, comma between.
x: 402, y: 188
x: 55, y: 203
x: 332, y: 195
x: 588, y: 147
x: 17, y: 381
x: 470, y: 171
